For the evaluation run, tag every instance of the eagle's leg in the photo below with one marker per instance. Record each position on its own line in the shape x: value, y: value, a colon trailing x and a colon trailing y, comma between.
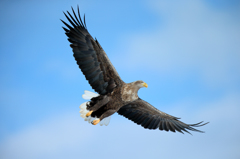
x: 104, y: 115
x: 96, y: 121
x: 89, y: 113
x: 99, y: 104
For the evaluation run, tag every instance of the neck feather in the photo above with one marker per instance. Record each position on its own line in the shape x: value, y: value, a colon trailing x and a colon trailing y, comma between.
x: 130, y: 92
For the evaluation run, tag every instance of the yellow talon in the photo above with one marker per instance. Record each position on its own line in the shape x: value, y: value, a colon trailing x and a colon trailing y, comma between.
x: 89, y: 113
x: 95, y: 122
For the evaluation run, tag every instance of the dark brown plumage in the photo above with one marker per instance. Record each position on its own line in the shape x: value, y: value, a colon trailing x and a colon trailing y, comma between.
x: 114, y: 94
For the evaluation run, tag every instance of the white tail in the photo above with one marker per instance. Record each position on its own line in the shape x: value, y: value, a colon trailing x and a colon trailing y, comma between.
x: 83, y: 109
x: 89, y: 95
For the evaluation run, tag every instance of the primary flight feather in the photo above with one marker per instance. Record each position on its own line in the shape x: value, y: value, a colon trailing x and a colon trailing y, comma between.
x: 114, y: 95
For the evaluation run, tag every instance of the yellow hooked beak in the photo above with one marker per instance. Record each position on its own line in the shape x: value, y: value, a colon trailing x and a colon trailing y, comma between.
x: 145, y: 85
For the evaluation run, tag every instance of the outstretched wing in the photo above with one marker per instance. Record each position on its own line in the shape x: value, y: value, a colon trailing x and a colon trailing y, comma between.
x: 149, y: 117
x: 90, y: 57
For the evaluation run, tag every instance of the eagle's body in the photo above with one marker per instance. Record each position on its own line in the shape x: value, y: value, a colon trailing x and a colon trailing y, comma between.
x: 114, y: 95
x: 105, y: 105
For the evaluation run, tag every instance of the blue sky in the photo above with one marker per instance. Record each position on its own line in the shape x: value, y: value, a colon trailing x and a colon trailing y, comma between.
x: 188, y: 53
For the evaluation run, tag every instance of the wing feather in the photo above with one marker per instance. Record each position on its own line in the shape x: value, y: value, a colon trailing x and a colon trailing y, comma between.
x: 90, y: 57
x: 149, y: 117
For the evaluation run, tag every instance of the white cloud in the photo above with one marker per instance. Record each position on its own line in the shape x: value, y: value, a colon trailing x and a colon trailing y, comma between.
x: 191, y: 37
x: 44, y: 138
x: 68, y: 136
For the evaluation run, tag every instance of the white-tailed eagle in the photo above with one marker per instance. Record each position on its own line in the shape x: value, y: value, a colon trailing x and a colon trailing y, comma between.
x: 114, y: 95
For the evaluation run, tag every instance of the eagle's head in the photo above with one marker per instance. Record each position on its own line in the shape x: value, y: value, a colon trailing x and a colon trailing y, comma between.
x: 140, y: 84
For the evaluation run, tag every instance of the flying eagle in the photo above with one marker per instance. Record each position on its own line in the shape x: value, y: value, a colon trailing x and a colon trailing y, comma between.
x: 114, y: 95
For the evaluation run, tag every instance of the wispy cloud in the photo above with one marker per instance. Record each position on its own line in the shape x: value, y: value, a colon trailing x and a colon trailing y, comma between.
x: 67, y: 135
x: 192, y: 36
